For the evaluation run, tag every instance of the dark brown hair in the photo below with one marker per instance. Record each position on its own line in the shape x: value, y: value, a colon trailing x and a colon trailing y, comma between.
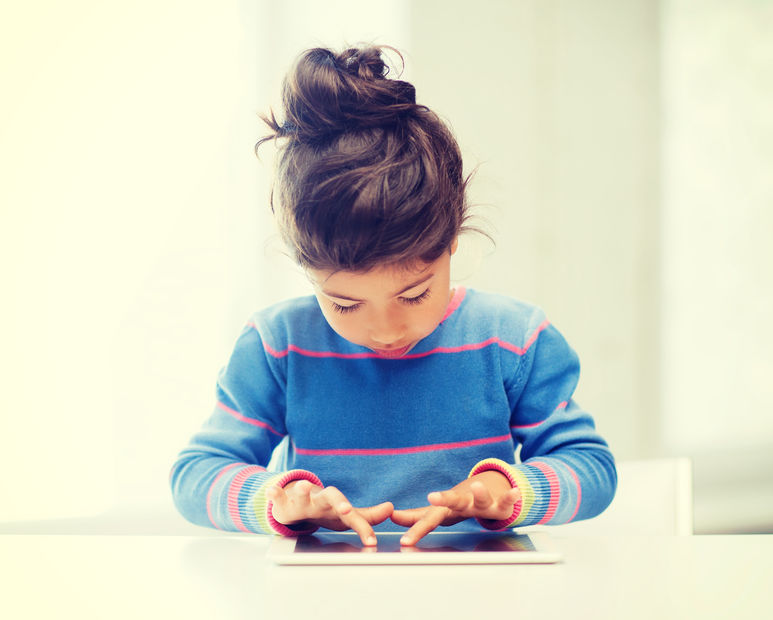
x: 365, y: 175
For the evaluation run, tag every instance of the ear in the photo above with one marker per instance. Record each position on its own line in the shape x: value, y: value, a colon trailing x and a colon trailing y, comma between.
x: 454, y: 245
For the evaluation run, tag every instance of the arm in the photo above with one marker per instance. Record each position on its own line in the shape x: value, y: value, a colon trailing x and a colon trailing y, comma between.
x: 220, y: 479
x: 567, y: 471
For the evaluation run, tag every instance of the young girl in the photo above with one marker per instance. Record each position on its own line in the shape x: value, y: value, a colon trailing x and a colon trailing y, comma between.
x: 402, y: 399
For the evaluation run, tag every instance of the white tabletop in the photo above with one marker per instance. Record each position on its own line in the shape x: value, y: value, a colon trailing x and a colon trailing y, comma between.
x: 228, y: 576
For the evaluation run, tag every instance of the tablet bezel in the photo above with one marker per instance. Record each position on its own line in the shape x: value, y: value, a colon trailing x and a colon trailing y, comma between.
x: 282, y: 551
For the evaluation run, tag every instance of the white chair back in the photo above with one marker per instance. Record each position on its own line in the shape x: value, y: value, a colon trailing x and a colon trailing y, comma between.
x: 654, y: 496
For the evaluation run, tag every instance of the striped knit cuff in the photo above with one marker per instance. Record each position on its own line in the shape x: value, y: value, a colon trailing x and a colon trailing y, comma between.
x: 517, y: 481
x: 262, y: 505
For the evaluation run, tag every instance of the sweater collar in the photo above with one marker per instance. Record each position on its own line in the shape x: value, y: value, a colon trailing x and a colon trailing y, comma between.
x: 455, y: 302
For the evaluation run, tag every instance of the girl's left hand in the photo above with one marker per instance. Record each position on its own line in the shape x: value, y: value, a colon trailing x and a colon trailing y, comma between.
x: 487, y: 495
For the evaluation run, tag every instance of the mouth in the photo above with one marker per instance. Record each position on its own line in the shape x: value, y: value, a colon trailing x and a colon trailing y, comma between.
x: 392, y: 353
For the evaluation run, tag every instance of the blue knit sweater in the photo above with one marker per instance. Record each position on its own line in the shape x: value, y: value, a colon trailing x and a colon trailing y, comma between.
x: 494, y: 375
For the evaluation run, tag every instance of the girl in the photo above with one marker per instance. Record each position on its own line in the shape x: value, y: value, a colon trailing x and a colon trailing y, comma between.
x: 402, y: 399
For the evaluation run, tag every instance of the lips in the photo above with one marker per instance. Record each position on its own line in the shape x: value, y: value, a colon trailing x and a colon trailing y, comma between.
x: 392, y: 353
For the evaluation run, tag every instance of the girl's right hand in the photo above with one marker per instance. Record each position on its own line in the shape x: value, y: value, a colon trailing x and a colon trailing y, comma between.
x: 302, y: 501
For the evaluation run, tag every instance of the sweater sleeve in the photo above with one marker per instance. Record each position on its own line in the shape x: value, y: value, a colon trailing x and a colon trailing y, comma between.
x: 566, y: 470
x: 220, y: 479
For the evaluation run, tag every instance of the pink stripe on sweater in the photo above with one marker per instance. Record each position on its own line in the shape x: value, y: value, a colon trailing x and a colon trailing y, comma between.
x: 555, y: 491
x: 396, y: 451
x: 455, y: 302
x: 522, y: 426
x: 308, y: 353
x: 579, y: 492
x: 534, y: 424
x: 233, y: 494
x: 252, y: 421
x: 370, y: 355
x: 212, y: 486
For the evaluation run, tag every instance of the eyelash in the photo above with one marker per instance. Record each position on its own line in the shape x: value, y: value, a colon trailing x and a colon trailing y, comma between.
x: 411, y: 301
x: 344, y: 309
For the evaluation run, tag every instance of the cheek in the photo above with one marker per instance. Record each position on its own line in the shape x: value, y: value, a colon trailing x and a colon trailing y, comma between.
x: 333, y: 319
x: 432, y: 316
x: 344, y: 325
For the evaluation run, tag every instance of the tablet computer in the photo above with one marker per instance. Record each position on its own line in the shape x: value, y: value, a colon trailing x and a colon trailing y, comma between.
x: 326, y: 547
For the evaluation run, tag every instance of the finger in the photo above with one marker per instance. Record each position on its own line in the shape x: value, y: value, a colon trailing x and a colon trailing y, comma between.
x: 408, y: 516
x: 338, y: 511
x: 299, y: 488
x: 290, y: 503
x: 501, y: 508
x: 275, y: 493
x: 481, y: 497
x: 357, y: 523
x: 509, y: 499
x: 450, y: 499
x: 292, y: 500
x: 287, y: 507
x: 330, y: 499
x: 377, y: 514
x: 355, y: 519
x: 431, y: 519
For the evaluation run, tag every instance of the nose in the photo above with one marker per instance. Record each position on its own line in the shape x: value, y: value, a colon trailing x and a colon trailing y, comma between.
x: 385, y: 337
x: 387, y: 331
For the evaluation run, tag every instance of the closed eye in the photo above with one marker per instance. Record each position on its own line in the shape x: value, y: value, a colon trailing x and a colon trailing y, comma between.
x: 344, y: 309
x: 411, y: 301
x: 415, y: 300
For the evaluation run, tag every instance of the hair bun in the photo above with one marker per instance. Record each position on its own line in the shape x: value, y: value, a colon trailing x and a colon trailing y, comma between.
x: 328, y: 93
x: 365, y: 63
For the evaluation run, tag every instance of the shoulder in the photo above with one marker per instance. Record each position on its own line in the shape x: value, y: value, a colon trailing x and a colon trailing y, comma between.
x: 496, y: 304
x: 519, y: 328
x: 492, y: 315
x: 297, y: 321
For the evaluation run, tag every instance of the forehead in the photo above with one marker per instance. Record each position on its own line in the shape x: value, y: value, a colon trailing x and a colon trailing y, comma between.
x: 388, y: 278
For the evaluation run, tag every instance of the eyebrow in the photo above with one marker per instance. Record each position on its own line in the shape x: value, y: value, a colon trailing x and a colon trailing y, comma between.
x: 407, y: 288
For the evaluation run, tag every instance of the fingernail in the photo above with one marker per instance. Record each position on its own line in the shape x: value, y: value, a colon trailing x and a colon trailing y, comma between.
x: 370, y: 541
x: 405, y: 540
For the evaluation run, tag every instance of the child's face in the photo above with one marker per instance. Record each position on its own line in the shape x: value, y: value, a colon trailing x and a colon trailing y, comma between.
x: 387, y: 309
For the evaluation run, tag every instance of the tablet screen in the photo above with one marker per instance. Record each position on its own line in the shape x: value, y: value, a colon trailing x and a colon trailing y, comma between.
x: 437, y: 543
x: 435, y: 548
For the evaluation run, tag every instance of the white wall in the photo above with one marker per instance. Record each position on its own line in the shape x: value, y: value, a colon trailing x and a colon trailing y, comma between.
x: 128, y: 181
x: 718, y: 194
x: 136, y: 234
x: 558, y: 104
x: 717, y: 295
